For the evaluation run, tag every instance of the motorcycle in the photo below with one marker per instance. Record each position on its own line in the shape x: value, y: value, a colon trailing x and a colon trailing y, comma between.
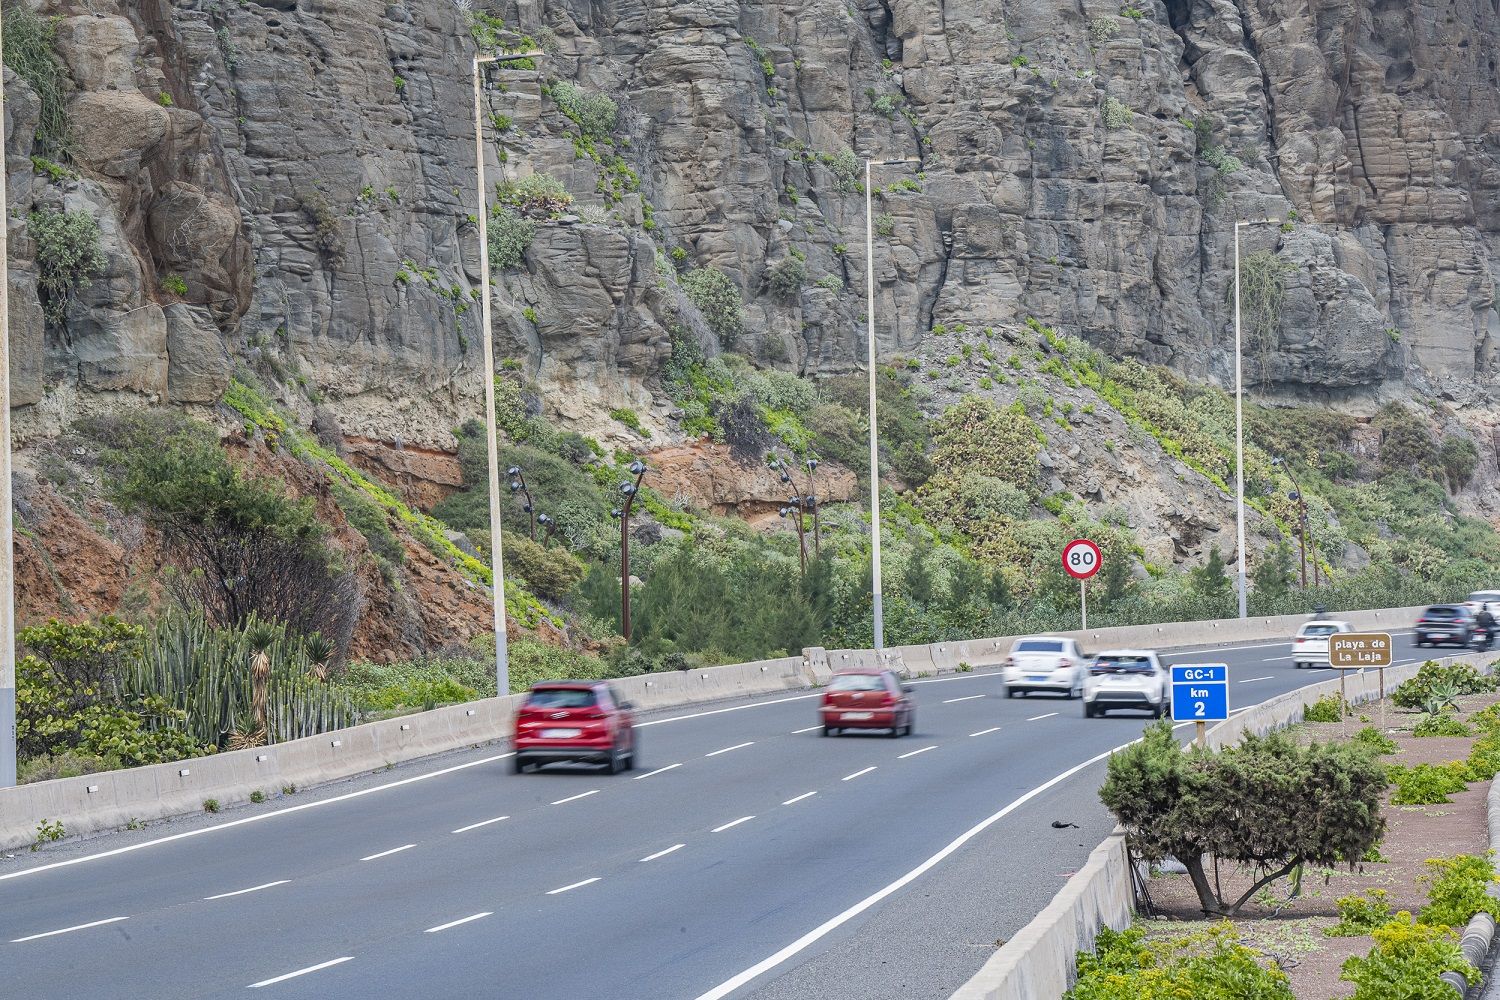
x: 1482, y: 638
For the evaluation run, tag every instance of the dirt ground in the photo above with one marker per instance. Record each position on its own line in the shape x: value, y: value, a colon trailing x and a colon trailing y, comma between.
x: 1291, y: 931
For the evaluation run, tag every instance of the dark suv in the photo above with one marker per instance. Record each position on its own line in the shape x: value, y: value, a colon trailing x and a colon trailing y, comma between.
x: 1445, y: 624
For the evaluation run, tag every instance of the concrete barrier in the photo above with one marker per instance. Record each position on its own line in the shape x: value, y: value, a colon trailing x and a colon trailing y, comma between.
x: 1039, y: 962
x: 109, y: 800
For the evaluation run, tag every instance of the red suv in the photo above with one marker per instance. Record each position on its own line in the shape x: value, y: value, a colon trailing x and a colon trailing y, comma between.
x: 867, y: 699
x: 576, y: 722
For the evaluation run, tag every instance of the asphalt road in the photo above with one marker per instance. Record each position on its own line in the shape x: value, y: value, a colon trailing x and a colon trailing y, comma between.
x: 747, y: 857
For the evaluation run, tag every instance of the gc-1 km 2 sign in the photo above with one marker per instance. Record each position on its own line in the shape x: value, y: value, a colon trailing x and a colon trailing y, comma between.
x: 1200, y: 692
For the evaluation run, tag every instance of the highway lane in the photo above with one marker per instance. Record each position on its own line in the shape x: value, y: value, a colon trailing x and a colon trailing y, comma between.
x: 445, y: 906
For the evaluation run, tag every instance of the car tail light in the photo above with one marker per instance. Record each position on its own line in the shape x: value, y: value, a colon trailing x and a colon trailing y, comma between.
x: 595, y: 714
x: 1064, y: 662
x: 1010, y: 661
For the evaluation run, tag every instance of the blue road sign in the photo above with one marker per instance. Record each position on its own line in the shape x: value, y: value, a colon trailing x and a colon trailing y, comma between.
x: 1200, y: 692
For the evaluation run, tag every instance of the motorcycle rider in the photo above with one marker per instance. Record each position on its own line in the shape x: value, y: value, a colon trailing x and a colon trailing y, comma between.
x: 1484, y: 623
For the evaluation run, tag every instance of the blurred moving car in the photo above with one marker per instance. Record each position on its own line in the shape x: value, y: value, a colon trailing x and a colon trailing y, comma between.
x: 1445, y: 624
x: 577, y: 722
x: 1310, y: 645
x: 1045, y: 663
x: 1127, y: 678
x: 1480, y: 598
x: 867, y: 699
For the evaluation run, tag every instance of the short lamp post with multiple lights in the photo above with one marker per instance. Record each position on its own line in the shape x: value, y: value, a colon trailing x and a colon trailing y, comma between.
x: 628, y: 490
x: 1302, y: 536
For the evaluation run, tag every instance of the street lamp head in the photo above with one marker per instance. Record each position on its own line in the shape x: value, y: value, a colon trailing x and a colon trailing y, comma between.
x: 615, y: 513
x: 812, y: 501
x: 1294, y: 495
x: 786, y: 477
x: 543, y: 519
x: 526, y: 507
x: 1276, y: 460
x: 514, y: 470
x: 636, y: 468
x: 628, y: 489
x: 812, y: 463
x: 784, y: 512
x: 515, y: 487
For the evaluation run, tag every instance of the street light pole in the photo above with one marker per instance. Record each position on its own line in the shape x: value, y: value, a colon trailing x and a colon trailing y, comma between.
x: 1239, y: 416
x: 7, y: 517
x: 629, y: 491
x: 492, y: 445
x: 877, y: 610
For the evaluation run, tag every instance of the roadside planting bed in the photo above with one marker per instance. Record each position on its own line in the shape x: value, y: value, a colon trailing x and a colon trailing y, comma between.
x: 1383, y: 929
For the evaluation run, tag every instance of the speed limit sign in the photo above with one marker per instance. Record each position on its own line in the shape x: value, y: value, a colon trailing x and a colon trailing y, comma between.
x: 1081, y: 558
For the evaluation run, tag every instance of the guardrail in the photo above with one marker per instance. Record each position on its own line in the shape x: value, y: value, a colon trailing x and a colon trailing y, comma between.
x: 109, y: 800
x: 1038, y: 963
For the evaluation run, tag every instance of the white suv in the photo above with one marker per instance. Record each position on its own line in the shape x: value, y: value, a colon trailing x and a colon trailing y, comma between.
x: 1044, y: 663
x: 1127, y: 678
x: 1310, y: 645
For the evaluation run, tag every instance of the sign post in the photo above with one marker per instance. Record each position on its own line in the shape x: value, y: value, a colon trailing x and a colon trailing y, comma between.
x: 1355, y: 651
x: 1081, y: 559
x: 1200, y: 694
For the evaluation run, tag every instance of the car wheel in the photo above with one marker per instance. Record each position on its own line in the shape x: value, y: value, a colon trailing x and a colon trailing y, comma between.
x: 830, y: 731
x: 517, y: 766
x: 630, y: 757
x: 1088, y: 710
x: 911, y: 723
x: 613, y: 766
x: 895, y: 728
x: 1009, y: 693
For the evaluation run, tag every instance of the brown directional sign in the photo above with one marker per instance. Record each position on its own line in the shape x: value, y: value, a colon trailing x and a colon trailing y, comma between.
x: 1359, y: 649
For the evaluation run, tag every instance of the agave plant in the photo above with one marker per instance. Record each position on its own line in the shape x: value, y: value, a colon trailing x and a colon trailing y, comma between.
x: 261, y: 637
x: 319, y: 655
x: 246, y: 734
x: 1440, y: 696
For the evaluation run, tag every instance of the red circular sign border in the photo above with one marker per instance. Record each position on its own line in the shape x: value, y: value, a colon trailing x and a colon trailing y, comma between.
x: 1098, y: 559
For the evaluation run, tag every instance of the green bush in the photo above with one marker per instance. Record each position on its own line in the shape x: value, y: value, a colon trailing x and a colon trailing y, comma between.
x: 594, y: 113
x: 535, y: 196
x: 629, y: 419
x: 550, y: 572
x: 1326, y: 709
x: 30, y: 46
x: 718, y: 299
x: 1375, y: 740
x: 1458, y: 888
x: 509, y: 236
x: 417, y: 685
x: 787, y: 277
x: 68, y: 256
x: 1484, y: 758
x: 1359, y: 915
x: 1441, y: 724
x: 1426, y: 784
x: 1406, y: 962
x: 1458, y: 457
x: 1418, y: 691
x: 1207, y: 965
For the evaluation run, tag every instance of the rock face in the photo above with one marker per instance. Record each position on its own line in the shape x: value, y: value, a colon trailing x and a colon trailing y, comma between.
x: 306, y: 172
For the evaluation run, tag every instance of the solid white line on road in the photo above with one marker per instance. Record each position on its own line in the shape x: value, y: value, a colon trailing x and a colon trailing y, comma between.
x: 462, y: 920
x: 851, y: 777
x: 721, y: 829
x: 475, y: 826
x: 799, y: 732
x: 915, y: 752
x: 394, y: 850
x: 822, y: 930
x: 575, y: 885
x: 986, y: 732
x: 1252, y: 680
x: 799, y: 798
x: 662, y: 854
x: 301, y: 972
x: 659, y: 770
x: 1321, y: 670
x: 68, y: 930
x: 1275, y: 659
x: 241, y: 892
x: 258, y: 817
x: 1036, y: 718
x: 967, y: 697
x: 575, y: 798
x: 737, y: 746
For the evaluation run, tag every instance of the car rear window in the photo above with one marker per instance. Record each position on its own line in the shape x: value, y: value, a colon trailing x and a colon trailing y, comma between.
x: 1038, y: 646
x: 561, y: 698
x: 1319, y: 630
x: 1441, y: 613
x: 857, y: 682
x: 1125, y: 661
x: 1485, y: 597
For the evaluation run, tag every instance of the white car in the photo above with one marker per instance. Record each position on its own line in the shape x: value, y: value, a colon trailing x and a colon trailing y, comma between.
x: 1480, y: 598
x: 1310, y: 646
x: 1045, y: 663
x: 1127, y: 678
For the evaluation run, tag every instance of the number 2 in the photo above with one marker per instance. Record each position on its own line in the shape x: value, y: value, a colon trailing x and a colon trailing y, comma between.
x: 1199, y: 710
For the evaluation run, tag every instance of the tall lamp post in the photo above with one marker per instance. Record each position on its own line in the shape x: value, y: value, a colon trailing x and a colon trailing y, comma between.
x: 497, y: 571
x: 629, y: 491
x: 1239, y: 412
x: 7, y: 526
x: 877, y: 611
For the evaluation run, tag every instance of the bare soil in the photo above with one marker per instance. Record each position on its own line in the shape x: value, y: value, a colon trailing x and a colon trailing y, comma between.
x: 1291, y: 931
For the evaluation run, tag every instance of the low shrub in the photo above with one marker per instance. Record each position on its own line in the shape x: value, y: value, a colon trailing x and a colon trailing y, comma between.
x: 1375, y: 740
x: 1458, y: 888
x: 211, y: 805
x: 1426, y: 784
x: 1359, y: 915
x: 1208, y: 965
x: 417, y: 685
x: 1325, y: 709
x: 1484, y: 758
x: 1418, y: 692
x: 1406, y: 962
x: 1441, y: 724
x: 551, y: 572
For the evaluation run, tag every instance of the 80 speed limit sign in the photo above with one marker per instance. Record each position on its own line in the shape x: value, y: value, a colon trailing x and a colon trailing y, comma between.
x: 1081, y: 558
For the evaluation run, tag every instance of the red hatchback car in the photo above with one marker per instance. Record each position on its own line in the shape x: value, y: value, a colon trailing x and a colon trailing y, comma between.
x: 867, y: 699
x: 574, y: 722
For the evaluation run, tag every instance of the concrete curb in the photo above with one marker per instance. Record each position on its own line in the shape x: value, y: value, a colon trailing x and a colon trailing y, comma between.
x: 1039, y: 962
x: 1479, y: 934
x: 101, y: 802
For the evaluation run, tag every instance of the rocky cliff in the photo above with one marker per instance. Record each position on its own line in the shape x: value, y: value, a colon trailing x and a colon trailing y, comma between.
x: 290, y: 183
